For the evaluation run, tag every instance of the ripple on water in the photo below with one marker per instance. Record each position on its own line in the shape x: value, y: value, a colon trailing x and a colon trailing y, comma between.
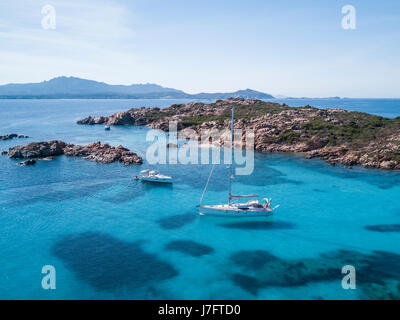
x: 107, y: 263
x: 45, y: 194
x: 124, y: 192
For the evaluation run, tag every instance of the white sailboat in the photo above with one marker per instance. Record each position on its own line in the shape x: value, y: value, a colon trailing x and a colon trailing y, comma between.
x: 251, y: 208
x: 153, y: 176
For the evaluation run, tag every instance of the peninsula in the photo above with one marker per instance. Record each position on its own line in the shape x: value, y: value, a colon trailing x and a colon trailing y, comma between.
x: 78, y: 88
x: 338, y: 136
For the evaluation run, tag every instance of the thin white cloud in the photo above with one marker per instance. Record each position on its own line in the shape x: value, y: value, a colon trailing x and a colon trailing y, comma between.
x: 89, y: 34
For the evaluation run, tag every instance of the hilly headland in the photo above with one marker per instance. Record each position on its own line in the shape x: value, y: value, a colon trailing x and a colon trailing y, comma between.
x: 338, y: 136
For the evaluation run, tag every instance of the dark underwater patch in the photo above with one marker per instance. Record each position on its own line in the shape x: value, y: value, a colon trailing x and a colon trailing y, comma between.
x: 176, y: 221
x: 249, y: 284
x: 258, y: 225
x: 379, y: 178
x: 252, y: 259
x: 263, y: 176
x: 189, y: 247
x: 107, y: 263
x: 377, y: 273
x: 384, y: 228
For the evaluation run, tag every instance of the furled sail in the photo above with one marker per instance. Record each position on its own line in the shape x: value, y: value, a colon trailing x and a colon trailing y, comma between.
x: 243, y: 196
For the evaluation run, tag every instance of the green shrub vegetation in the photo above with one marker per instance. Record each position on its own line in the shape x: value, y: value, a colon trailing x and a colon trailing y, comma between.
x: 335, y: 127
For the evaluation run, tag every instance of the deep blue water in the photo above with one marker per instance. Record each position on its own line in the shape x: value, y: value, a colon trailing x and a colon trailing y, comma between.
x: 389, y: 108
x: 110, y: 237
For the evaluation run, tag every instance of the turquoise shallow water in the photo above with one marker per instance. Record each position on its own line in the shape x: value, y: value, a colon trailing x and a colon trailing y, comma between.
x: 110, y: 237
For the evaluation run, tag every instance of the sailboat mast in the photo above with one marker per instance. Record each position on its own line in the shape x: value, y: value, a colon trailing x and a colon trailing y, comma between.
x: 230, y: 167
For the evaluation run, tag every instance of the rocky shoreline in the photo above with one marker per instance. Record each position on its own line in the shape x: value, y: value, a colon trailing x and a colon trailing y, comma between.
x: 100, y: 153
x: 338, y: 136
x: 12, y: 136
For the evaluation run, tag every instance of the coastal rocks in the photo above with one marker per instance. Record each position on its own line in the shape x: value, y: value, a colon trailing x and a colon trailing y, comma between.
x: 337, y: 136
x: 12, y: 136
x: 119, y: 118
x: 93, y: 120
x: 37, y: 150
x: 388, y: 165
x: 3, y: 153
x: 8, y: 136
x: 122, y: 119
x: 101, y: 153
x: 29, y: 162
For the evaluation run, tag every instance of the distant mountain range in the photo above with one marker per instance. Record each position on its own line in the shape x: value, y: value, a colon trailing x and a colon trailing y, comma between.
x: 74, y: 88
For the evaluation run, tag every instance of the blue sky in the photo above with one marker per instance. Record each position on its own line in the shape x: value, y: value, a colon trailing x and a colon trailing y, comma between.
x: 292, y: 47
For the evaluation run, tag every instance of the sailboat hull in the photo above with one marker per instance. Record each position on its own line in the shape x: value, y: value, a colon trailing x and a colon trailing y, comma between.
x: 233, y: 211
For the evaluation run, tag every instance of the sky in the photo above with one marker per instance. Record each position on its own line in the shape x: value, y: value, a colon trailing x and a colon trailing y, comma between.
x: 289, y: 47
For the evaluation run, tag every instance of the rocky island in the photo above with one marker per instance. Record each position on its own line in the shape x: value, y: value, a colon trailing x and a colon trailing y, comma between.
x: 335, y: 135
x: 101, y: 153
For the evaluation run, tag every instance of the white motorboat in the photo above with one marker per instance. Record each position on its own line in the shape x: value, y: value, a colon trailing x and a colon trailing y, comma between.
x: 251, y: 208
x: 107, y: 127
x: 153, y: 176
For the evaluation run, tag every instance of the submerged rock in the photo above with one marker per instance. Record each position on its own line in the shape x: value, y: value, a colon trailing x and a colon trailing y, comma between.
x: 376, y: 270
x: 3, y: 153
x: 101, y: 153
x: 189, y: 247
x: 29, y: 162
x: 94, y: 258
x: 384, y: 228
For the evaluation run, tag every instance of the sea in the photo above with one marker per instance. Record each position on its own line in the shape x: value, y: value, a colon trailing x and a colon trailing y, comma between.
x: 75, y: 229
